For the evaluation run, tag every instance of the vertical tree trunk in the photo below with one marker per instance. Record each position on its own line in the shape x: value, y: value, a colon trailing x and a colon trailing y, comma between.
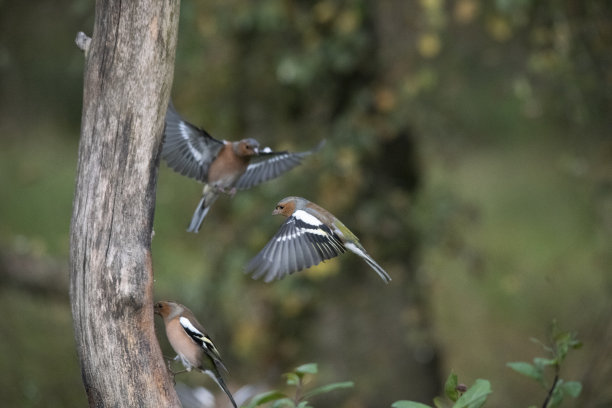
x: 128, y: 75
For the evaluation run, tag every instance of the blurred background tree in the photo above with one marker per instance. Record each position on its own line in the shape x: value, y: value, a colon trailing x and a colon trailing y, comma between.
x: 468, y: 146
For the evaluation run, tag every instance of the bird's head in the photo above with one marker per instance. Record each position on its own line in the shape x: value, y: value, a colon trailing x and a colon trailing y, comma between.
x: 166, y: 308
x: 286, y: 206
x: 159, y: 308
x: 247, y: 147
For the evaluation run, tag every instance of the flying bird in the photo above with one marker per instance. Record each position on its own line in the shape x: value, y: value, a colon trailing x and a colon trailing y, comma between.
x: 191, y: 343
x: 310, y: 235
x: 222, y: 166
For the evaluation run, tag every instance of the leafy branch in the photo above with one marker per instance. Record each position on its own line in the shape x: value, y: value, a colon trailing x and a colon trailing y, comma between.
x: 298, y: 378
x: 459, y: 395
x: 560, y: 343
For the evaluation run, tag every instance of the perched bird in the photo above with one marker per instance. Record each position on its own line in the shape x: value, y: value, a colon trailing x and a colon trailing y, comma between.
x: 222, y: 166
x: 193, y: 346
x: 309, y: 236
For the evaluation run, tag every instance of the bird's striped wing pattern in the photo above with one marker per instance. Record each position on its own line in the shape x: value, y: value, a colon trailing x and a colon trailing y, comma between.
x: 202, y: 340
x: 187, y: 149
x: 268, y: 165
x: 301, y: 242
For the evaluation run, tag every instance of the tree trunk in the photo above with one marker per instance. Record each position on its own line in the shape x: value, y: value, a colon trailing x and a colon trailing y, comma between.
x: 128, y: 76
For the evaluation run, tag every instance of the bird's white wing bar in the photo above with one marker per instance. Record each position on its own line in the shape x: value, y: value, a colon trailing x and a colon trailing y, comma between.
x: 307, y: 218
x: 185, y: 133
x: 199, y: 337
x: 187, y: 325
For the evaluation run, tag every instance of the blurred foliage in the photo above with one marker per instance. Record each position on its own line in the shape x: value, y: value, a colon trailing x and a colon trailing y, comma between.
x: 38, y: 352
x: 457, y: 395
x: 468, y: 147
x: 561, y: 343
x: 298, y: 379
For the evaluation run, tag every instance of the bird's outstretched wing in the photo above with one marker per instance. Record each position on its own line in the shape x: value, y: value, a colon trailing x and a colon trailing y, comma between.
x: 269, y: 164
x: 202, y: 340
x: 301, y: 242
x: 187, y: 149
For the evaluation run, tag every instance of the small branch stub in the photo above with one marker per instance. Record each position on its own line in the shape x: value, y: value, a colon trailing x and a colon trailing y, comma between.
x: 82, y: 41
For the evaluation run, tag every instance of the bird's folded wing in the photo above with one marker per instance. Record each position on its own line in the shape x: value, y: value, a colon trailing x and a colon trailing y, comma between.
x: 202, y: 340
x: 268, y: 165
x: 301, y: 242
x: 187, y: 149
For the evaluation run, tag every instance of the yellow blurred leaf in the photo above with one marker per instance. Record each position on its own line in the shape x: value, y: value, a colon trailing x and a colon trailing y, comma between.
x: 348, y: 22
x: 499, y: 28
x: 246, y: 337
x: 429, y: 45
x: 347, y: 158
x: 291, y: 306
x: 324, y: 11
x: 323, y: 270
x: 431, y: 4
x: 385, y: 99
x: 544, y: 61
x: 434, y: 13
x: 465, y: 11
x: 207, y: 25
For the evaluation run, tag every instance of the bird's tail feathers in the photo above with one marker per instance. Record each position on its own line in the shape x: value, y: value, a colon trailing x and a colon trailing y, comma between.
x: 200, y: 212
x: 219, y: 380
x: 207, y: 200
x: 358, y: 249
x: 379, y: 270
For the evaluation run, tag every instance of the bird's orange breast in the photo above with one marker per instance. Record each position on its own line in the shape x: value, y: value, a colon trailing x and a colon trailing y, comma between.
x: 183, y: 344
x: 227, y: 167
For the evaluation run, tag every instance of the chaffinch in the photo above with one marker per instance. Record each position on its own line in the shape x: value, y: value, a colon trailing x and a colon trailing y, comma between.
x: 193, y: 346
x: 309, y: 236
x: 221, y: 165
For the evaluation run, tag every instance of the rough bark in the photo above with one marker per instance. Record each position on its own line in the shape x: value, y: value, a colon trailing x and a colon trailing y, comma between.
x: 128, y: 75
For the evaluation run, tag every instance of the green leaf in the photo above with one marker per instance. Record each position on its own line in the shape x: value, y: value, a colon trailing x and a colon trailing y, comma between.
x: 327, y: 388
x: 310, y: 368
x: 576, y: 344
x: 544, y: 346
x: 265, y: 397
x: 450, y: 387
x: 572, y: 388
x: 475, y: 396
x: 542, y: 362
x: 556, y: 397
x: 283, y: 402
x: 564, y: 342
x: 292, y: 379
x: 408, y: 404
x: 527, y: 370
x: 439, y: 402
x: 303, y: 404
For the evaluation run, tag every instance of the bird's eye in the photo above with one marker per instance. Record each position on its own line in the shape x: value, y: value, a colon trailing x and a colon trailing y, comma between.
x: 280, y: 207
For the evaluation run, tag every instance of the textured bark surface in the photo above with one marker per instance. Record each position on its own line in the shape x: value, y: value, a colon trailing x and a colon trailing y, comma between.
x: 128, y: 75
